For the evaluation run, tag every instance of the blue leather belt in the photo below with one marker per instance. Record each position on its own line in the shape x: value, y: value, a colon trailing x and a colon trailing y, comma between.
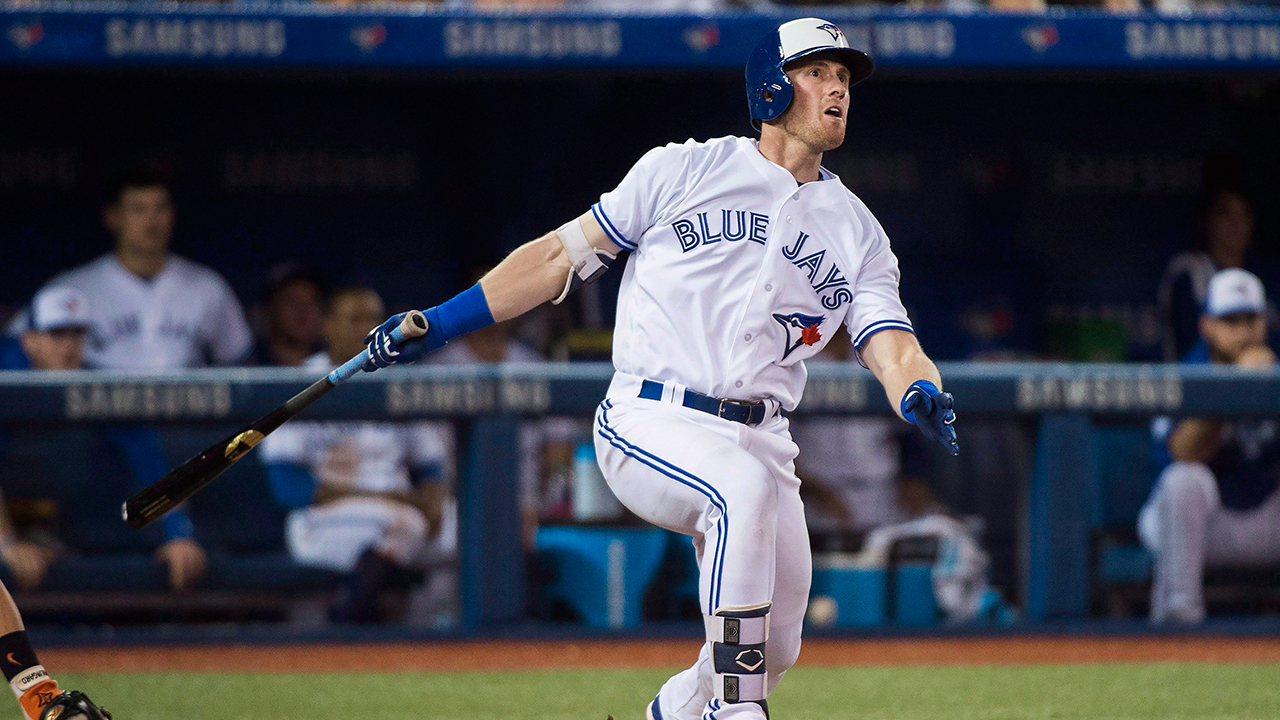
x: 741, y: 411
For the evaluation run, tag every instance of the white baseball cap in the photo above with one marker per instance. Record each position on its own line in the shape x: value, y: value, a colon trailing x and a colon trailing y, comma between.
x: 54, y: 308
x: 1234, y: 292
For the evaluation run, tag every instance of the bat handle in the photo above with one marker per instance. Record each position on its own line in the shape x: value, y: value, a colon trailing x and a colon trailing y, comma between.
x: 414, y: 325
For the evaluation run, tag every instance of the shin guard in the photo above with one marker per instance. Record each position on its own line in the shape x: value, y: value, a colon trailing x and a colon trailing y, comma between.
x: 738, y: 636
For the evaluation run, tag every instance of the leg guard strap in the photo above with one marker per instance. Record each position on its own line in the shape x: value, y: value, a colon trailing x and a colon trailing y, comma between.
x: 738, y: 636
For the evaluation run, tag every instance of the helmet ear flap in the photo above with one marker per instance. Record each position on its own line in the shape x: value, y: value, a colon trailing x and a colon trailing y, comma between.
x: 773, y: 96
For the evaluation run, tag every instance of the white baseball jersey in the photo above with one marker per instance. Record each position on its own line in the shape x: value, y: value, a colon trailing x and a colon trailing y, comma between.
x: 186, y: 316
x: 738, y: 274
x: 372, y: 456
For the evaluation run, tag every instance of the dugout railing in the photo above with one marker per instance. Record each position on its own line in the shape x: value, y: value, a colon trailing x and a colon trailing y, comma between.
x: 1072, y: 406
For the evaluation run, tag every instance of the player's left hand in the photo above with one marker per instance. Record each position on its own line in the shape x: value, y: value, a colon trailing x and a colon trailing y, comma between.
x: 384, y: 352
x: 934, y: 414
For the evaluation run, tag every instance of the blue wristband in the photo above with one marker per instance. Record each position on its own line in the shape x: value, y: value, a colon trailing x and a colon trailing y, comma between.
x: 924, y: 386
x: 461, y: 314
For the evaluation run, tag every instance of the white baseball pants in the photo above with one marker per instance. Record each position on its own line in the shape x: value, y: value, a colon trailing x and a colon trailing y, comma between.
x: 734, y: 490
x: 336, y: 534
x: 1186, y: 528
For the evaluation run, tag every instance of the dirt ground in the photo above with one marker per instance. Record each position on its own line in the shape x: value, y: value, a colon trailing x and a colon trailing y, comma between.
x: 523, y: 655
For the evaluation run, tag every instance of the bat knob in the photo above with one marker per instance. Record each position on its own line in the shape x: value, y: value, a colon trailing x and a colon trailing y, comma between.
x: 414, y: 324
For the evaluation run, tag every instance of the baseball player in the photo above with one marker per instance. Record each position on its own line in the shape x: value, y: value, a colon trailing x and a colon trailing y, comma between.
x: 1218, y: 501
x: 37, y: 693
x: 53, y: 338
x: 364, y: 496
x: 745, y: 257
x: 152, y: 309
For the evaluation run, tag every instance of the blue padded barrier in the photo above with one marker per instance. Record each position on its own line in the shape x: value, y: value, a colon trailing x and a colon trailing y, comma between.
x: 1124, y: 564
x: 1125, y: 473
x: 602, y: 573
x: 860, y: 594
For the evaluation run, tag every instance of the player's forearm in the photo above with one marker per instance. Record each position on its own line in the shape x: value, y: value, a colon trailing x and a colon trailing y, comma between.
x: 898, y: 377
x: 532, y: 274
x: 1195, y: 440
x: 896, y: 359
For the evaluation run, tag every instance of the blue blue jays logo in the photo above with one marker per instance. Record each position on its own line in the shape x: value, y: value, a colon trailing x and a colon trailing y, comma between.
x: 805, y: 329
x: 834, y: 31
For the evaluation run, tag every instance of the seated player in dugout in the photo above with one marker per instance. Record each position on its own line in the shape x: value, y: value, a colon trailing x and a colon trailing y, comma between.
x: 152, y: 308
x: 290, y: 320
x: 1216, y: 502
x: 56, y: 325
x: 365, y: 498
x: 745, y: 256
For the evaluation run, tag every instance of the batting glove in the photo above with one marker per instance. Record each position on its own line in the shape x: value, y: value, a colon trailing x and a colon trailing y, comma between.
x: 931, y: 410
x: 384, y: 352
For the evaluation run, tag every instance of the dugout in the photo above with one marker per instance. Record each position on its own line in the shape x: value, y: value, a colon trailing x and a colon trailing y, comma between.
x: 1045, y: 169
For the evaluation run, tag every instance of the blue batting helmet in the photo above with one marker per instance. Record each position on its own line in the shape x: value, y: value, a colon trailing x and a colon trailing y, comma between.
x: 769, y: 89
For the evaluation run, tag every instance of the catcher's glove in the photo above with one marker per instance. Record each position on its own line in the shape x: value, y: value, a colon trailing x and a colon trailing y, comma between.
x: 73, y: 704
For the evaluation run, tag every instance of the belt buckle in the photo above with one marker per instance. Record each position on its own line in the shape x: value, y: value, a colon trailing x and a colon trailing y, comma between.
x: 735, y: 403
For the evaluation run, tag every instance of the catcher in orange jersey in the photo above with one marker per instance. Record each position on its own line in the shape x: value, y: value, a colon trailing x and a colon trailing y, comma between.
x: 39, y: 695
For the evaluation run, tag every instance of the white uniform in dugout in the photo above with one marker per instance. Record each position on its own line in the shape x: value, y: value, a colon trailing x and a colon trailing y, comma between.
x: 368, y: 457
x: 185, y: 316
x: 746, y: 257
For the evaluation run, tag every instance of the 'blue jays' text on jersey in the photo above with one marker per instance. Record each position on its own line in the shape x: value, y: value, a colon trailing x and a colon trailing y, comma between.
x: 738, y: 274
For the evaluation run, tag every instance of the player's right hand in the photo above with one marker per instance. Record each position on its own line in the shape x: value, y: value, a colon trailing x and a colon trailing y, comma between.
x: 384, y: 352
x: 934, y: 415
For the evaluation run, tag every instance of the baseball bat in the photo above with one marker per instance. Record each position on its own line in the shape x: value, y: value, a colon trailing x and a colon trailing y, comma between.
x: 163, y: 495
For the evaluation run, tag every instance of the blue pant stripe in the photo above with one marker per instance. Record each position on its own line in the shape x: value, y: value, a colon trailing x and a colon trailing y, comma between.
x: 690, y: 480
x: 718, y: 553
